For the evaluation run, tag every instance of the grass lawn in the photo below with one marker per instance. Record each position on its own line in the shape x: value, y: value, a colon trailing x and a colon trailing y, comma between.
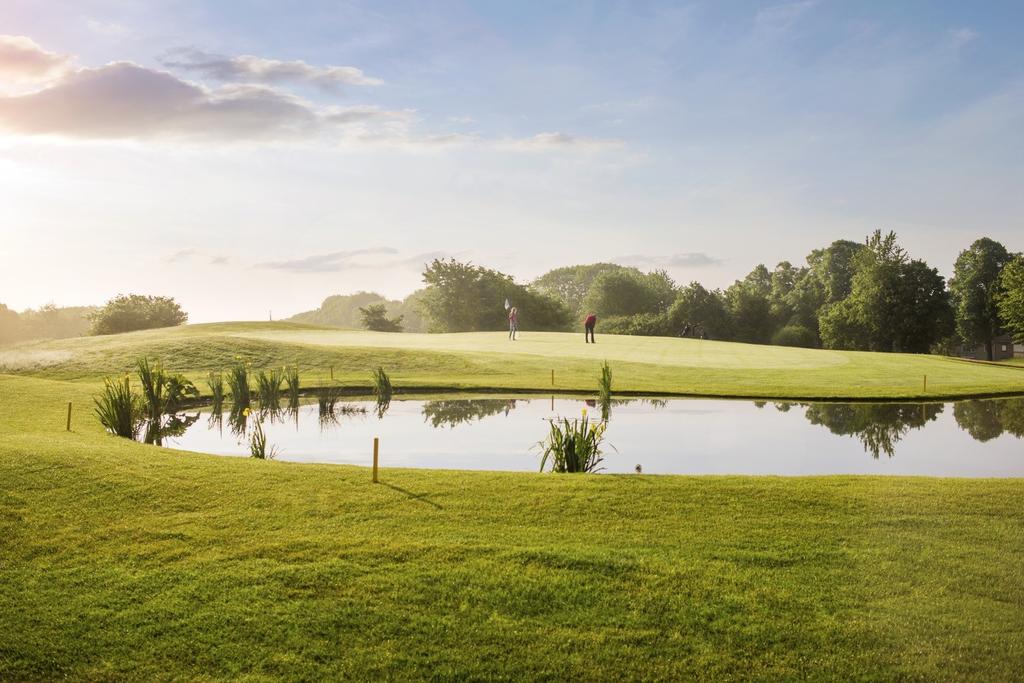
x: 121, y: 560
x: 489, y: 360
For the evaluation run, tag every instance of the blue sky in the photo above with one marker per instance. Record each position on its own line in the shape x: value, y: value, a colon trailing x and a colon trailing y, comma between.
x: 277, y: 154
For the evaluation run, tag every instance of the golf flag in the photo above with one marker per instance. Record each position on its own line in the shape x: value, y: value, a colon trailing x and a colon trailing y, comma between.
x: 507, y: 305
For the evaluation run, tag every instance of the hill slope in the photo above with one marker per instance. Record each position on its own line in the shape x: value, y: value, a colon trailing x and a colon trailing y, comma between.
x: 489, y: 360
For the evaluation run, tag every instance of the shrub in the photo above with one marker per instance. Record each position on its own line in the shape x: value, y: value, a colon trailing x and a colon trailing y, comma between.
x: 641, y: 324
x: 795, y: 335
x: 375, y: 317
x: 136, y: 312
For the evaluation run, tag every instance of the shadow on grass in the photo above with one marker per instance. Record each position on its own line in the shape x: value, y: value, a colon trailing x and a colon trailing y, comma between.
x: 421, y: 497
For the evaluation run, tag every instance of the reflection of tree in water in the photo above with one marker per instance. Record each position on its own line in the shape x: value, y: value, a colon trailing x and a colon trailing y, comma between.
x: 169, y: 426
x: 452, y: 412
x: 989, y: 418
x: 878, y: 426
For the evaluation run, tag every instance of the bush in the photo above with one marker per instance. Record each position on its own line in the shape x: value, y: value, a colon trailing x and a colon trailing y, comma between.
x: 795, y: 335
x: 136, y: 312
x: 375, y: 318
x: 641, y: 324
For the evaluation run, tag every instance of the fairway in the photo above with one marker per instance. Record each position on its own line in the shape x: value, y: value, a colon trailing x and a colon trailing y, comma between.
x: 488, y: 360
x: 127, y: 561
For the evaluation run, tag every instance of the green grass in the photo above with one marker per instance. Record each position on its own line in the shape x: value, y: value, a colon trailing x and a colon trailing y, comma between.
x: 489, y: 360
x: 126, y: 561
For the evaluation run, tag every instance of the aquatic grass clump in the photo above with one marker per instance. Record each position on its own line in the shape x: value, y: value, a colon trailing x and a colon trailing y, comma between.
x: 238, y: 386
x: 215, y: 381
x: 604, y: 391
x: 573, y: 445
x: 382, y: 389
x: 291, y: 380
x: 327, y: 399
x: 120, y: 410
x: 268, y: 386
x: 258, y: 440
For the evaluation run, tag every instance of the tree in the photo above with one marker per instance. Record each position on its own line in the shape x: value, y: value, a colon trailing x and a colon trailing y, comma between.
x: 461, y: 297
x: 571, y: 284
x: 975, y: 289
x: 136, y: 312
x: 750, y: 307
x: 10, y: 325
x: 626, y: 292
x: 1010, y: 301
x: 894, y: 304
x: 375, y: 317
x: 697, y: 306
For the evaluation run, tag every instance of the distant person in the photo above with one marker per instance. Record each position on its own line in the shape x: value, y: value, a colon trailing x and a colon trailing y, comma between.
x: 588, y: 328
x: 686, y: 330
x: 513, y: 323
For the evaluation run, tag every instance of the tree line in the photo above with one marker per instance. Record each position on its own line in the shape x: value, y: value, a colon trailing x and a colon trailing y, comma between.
x: 867, y: 295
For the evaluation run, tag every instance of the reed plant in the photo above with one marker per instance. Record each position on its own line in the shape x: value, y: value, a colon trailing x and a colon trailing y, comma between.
x: 258, y: 440
x: 573, y: 445
x: 162, y: 391
x: 604, y: 391
x: 268, y: 386
x: 238, y: 385
x: 120, y: 410
x: 215, y: 381
x: 291, y: 380
x: 382, y: 387
x: 327, y: 399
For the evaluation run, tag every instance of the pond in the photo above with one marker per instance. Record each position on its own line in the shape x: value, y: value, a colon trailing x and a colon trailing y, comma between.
x: 977, y: 438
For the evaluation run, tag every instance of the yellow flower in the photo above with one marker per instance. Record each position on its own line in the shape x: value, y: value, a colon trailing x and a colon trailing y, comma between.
x: 245, y: 413
x: 584, y: 412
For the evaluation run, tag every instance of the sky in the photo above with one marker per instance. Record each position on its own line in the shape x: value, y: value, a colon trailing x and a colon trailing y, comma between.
x: 252, y: 158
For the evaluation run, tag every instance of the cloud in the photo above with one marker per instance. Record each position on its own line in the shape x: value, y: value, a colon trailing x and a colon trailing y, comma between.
x: 108, y: 28
x: 125, y: 100
x: 781, y: 16
x: 689, y: 259
x: 555, y: 141
x: 252, y: 69
x: 21, y: 59
x: 180, y: 255
x: 961, y: 37
x: 336, y: 261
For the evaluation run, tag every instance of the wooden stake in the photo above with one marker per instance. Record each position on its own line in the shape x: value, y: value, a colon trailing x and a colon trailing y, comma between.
x: 376, y: 452
x: 332, y: 373
x: 552, y: 377
x: 925, y: 383
x: 69, y: 416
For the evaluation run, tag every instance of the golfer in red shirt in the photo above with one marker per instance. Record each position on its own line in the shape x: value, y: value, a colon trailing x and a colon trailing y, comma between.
x: 588, y: 328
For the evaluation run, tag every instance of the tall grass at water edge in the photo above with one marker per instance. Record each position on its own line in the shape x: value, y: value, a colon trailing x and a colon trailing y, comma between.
x: 573, y: 446
x: 120, y: 410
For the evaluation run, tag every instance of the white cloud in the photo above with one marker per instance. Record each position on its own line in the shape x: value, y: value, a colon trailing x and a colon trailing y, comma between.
x: 689, y: 259
x: 783, y: 15
x: 108, y: 29
x: 253, y: 69
x: 337, y: 261
x: 21, y: 59
x: 961, y: 37
x: 555, y: 141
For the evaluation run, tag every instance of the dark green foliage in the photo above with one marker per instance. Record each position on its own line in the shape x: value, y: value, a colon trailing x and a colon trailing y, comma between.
x: 238, y: 385
x: 461, y: 297
x: 895, y: 304
x: 795, y: 335
x: 162, y: 391
x: 975, y: 291
x: 628, y: 292
x: 698, y: 307
x: 382, y: 387
x: 342, y: 310
x: 604, y: 390
x: 119, y: 409
x: 136, y: 312
x: 375, y: 317
x: 571, y: 284
x: 573, y: 446
x: 452, y: 412
x: 749, y: 305
x: 1011, y: 297
x: 641, y: 324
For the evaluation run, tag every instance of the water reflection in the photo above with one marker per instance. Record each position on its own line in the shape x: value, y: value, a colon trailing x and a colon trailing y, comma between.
x: 987, y: 419
x: 878, y: 426
x: 448, y: 413
x: 169, y: 426
x: 667, y: 435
